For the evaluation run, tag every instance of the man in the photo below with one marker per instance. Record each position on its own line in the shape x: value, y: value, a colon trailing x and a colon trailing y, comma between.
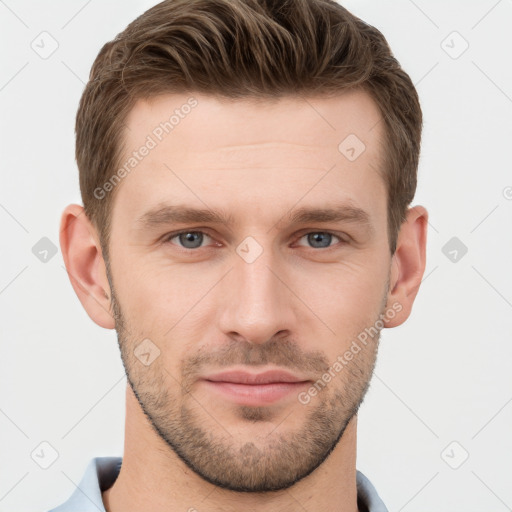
x: 246, y: 169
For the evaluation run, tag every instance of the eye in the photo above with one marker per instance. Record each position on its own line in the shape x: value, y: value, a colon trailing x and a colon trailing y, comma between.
x: 320, y: 239
x: 188, y: 239
x: 194, y: 239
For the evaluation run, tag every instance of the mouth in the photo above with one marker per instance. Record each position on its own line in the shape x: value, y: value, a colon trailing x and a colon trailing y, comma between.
x: 254, y: 389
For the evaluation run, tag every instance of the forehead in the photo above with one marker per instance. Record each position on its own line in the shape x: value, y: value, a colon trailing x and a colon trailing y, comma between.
x: 226, y: 123
x: 200, y: 146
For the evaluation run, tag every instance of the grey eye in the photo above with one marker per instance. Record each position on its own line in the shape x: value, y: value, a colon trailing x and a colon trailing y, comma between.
x: 190, y: 239
x: 320, y: 239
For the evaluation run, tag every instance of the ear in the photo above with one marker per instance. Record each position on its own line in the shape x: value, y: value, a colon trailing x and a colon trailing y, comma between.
x: 408, y: 265
x: 85, y: 266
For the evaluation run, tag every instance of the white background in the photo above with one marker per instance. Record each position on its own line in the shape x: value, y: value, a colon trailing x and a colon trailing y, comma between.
x: 443, y: 376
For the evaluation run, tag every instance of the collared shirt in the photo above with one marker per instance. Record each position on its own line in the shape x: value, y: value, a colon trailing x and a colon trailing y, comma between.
x: 101, y: 473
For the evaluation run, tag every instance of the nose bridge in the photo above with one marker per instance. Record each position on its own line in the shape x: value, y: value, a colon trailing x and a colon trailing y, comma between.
x: 257, y: 302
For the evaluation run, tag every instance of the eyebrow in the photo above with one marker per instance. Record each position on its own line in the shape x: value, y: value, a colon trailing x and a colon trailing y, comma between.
x: 173, y: 214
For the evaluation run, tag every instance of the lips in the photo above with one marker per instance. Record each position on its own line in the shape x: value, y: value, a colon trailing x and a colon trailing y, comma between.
x: 254, y: 389
x: 268, y: 377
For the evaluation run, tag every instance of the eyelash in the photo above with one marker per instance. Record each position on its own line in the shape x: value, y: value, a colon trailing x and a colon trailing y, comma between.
x: 171, y: 236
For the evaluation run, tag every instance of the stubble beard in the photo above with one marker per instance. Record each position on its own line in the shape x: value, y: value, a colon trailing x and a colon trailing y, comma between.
x: 264, y: 463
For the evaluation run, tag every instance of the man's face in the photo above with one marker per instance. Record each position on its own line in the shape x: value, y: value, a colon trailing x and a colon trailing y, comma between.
x: 261, y: 291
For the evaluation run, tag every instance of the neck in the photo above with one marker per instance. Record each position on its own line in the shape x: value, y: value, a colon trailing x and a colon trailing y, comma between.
x: 153, y: 477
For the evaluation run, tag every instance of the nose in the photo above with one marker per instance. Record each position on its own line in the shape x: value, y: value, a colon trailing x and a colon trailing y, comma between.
x: 258, y: 304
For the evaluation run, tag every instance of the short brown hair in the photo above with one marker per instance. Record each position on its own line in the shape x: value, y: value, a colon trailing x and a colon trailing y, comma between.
x: 245, y: 49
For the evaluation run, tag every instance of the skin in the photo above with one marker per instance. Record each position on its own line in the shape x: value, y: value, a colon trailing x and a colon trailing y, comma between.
x: 298, y: 306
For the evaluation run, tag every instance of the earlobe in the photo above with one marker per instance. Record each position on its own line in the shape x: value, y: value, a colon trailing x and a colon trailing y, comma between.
x: 85, y: 265
x: 408, y: 265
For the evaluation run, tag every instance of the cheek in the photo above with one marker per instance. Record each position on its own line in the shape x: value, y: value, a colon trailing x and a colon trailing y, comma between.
x: 157, y: 296
x: 347, y: 297
x: 357, y: 277
x: 162, y: 299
